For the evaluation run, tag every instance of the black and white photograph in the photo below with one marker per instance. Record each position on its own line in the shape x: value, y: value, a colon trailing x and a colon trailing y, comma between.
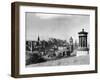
x: 52, y: 39
x: 57, y: 39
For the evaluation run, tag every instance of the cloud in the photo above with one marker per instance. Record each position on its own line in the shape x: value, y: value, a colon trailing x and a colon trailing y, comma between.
x: 61, y: 26
x: 50, y: 16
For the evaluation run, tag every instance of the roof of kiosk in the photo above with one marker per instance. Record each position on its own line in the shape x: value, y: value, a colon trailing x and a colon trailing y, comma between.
x: 82, y: 32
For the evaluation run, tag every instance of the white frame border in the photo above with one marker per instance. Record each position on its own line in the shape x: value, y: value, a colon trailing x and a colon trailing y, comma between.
x: 38, y: 70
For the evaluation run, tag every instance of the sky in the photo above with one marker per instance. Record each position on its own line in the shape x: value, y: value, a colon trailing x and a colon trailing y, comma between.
x: 60, y: 26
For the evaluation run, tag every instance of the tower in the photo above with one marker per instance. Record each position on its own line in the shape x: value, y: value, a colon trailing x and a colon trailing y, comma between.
x: 76, y: 44
x: 38, y: 41
x: 82, y: 48
x: 71, y: 44
x: 38, y: 38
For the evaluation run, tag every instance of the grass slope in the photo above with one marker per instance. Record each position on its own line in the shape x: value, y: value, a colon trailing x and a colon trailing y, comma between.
x: 75, y: 60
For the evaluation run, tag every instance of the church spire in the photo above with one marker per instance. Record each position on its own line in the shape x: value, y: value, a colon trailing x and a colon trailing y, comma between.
x: 38, y: 41
x: 38, y: 38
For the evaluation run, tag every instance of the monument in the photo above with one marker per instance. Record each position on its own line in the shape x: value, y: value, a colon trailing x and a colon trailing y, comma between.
x: 82, y: 48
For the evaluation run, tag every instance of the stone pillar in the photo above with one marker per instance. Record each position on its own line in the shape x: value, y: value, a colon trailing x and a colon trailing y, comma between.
x: 86, y: 41
x: 81, y: 42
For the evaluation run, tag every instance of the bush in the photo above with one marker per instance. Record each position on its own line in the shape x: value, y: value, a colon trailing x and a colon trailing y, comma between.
x: 34, y: 58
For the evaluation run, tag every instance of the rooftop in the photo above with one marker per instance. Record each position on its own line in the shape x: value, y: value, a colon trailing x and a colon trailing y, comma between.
x: 83, y: 32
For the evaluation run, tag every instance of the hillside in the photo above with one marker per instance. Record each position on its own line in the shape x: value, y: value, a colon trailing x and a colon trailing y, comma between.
x: 75, y: 60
